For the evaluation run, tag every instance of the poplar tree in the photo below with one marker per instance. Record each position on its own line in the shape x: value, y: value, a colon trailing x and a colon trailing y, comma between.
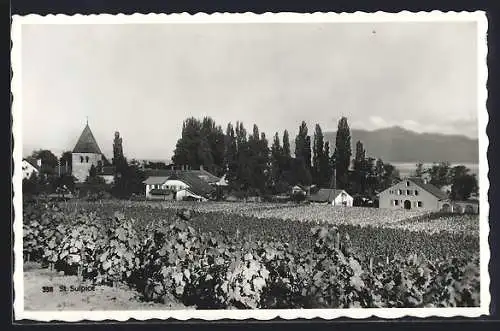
x: 230, y: 154
x: 318, y: 157
x: 342, y: 153
x: 286, y: 145
x: 276, y: 159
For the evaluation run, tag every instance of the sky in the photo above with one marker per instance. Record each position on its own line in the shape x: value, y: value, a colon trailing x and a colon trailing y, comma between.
x: 143, y: 80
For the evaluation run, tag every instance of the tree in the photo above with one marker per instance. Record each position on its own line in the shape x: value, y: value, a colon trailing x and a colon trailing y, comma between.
x: 230, y: 154
x: 308, y: 154
x: 342, y: 153
x: 156, y: 165
x: 65, y: 182
x: 276, y: 160
x: 188, y: 151
x: 419, y: 170
x: 359, y: 166
x: 243, y: 178
x: 93, y: 178
x: 31, y: 185
x: 302, y: 168
x: 325, y: 165
x: 318, y: 157
x: 213, y: 156
x: 299, y: 174
x: 49, y: 160
x: 286, y: 145
x: 128, y: 177
x: 383, y: 175
x: 440, y: 174
x: 390, y: 176
x: 264, y: 164
x: 463, y: 183
x: 371, y: 183
x: 66, y: 161
x: 117, y: 149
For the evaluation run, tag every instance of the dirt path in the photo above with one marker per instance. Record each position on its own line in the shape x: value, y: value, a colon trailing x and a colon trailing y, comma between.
x: 38, y: 296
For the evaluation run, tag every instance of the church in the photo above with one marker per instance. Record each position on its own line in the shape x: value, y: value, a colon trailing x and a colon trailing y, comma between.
x: 85, y: 155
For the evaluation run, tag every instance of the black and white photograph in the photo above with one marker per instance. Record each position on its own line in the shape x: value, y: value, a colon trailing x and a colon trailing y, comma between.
x: 250, y: 166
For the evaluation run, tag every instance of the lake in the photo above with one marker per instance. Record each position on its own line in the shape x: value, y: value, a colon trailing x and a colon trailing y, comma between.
x: 406, y: 168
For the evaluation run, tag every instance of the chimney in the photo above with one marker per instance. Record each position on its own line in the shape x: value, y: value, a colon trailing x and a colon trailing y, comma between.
x: 201, y: 167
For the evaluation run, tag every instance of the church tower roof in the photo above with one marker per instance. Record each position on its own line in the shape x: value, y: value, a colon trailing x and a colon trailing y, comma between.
x: 87, y: 143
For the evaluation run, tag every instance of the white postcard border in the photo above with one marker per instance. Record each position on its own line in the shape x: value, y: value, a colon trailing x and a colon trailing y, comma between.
x: 388, y: 313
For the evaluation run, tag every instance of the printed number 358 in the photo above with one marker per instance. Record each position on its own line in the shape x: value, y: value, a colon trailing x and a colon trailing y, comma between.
x: 47, y: 289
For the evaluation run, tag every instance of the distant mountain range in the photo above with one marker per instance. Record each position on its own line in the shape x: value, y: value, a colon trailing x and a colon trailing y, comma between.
x: 396, y: 144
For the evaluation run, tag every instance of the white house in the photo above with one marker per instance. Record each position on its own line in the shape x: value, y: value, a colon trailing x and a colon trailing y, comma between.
x: 180, y: 185
x: 413, y: 193
x: 333, y: 197
x: 30, y: 167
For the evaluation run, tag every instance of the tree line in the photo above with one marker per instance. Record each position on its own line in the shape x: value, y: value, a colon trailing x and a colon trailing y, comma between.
x: 457, y: 181
x: 254, y: 166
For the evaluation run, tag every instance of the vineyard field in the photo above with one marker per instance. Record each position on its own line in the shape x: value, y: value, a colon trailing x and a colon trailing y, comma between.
x: 256, y: 255
x: 374, y: 232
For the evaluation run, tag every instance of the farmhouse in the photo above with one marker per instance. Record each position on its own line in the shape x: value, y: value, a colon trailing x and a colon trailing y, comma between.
x: 197, y: 185
x: 413, y: 193
x: 332, y: 196
x: 30, y: 167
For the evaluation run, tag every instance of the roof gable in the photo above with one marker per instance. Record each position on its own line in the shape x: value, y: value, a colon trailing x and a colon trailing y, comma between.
x: 324, y: 195
x: 196, y: 184
x: 429, y: 188
x: 155, y: 180
x: 31, y: 161
x: 201, y: 174
x: 87, y: 143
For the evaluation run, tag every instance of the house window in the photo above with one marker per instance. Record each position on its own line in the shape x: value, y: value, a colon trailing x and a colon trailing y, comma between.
x: 420, y: 204
x: 400, y: 192
x: 396, y: 202
x: 81, y: 159
x: 407, y: 183
x: 416, y: 192
x: 408, y: 192
x: 87, y: 159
